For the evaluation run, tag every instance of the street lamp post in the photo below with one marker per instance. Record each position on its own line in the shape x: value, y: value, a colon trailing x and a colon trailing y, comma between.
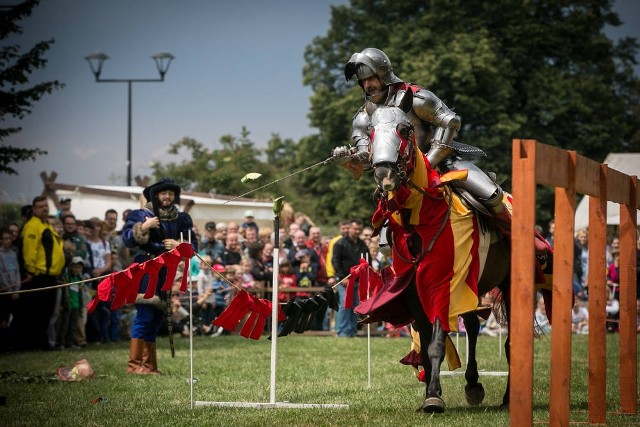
x: 96, y: 60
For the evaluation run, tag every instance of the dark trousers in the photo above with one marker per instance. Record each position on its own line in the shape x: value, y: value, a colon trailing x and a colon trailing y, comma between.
x: 33, y: 311
x: 67, y: 324
x: 108, y: 322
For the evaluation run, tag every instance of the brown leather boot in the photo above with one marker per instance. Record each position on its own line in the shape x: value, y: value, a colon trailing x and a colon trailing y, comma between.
x: 153, y: 357
x: 149, y: 364
x: 135, y: 356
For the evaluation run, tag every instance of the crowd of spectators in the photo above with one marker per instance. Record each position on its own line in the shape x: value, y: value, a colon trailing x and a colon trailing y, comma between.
x: 87, y: 249
x: 232, y: 256
x: 580, y: 310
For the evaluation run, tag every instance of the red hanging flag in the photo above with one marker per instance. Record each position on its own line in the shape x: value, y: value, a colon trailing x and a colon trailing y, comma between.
x: 254, y: 325
x: 171, y: 261
x: 240, y: 305
x: 121, y: 281
x: 369, y: 282
x: 351, y: 283
x: 152, y: 268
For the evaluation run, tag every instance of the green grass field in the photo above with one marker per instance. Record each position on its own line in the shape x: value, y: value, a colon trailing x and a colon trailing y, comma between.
x: 321, y: 370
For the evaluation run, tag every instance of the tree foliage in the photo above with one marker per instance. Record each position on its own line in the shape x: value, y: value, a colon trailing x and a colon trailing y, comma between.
x: 543, y: 70
x: 220, y: 171
x: 16, y: 96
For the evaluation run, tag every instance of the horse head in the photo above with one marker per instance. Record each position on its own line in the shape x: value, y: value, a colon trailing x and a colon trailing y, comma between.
x: 392, y: 143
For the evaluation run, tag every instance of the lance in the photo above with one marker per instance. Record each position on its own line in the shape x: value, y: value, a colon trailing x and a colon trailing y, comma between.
x: 323, y: 162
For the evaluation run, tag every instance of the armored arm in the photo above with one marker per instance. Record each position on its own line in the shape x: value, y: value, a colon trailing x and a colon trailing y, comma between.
x: 360, y: 136
x: 358, y: 152
x: 430, y: 108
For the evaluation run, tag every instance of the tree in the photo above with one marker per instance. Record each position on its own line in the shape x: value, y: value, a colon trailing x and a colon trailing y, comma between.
x: 543, y: 70
x: 221, y: 171
x: 213, y: 171
x: 16, y: 97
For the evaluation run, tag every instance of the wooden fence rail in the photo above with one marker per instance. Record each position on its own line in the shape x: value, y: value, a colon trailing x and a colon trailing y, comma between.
x: 570, y: 173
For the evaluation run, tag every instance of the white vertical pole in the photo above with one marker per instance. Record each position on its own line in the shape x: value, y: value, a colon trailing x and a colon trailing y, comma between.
x: 366, y: 256
x: 186, y: 272
x: 191, y: 339
x: 274, y: 319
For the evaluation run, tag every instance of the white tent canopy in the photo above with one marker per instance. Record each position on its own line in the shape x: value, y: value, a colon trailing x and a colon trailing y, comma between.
x: 628, y: 163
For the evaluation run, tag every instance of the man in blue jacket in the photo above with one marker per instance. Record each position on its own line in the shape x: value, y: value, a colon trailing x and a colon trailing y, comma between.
x: 154, y: 229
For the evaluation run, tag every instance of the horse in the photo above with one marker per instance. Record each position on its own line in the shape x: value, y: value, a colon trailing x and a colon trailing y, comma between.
x: 420, y: 210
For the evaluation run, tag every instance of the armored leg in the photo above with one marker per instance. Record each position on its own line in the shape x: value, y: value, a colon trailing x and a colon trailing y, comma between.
x: 479, y: 185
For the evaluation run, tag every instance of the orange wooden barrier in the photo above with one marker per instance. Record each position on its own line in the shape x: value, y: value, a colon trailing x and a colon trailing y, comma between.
x: 569, y: 173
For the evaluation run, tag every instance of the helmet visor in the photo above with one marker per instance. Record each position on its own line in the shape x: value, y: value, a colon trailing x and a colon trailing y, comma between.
x: 355, y: 63
x: 363, y: 72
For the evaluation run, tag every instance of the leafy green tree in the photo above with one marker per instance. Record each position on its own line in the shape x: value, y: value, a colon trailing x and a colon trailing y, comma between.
x: 543, y: 70
x: 213, y: 171
x: 16, y: 96
x: 281, y: 161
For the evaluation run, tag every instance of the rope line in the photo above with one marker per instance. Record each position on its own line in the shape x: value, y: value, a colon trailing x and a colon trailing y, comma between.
x: 218, y: 274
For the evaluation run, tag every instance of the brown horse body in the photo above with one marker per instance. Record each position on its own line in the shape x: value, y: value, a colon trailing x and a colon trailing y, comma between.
x: 400, y: 296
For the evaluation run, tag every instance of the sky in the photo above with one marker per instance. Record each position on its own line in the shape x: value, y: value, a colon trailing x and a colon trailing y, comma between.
x: 237, y: 63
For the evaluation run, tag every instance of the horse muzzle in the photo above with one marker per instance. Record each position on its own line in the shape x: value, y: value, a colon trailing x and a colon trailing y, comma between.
x: 386, y: 177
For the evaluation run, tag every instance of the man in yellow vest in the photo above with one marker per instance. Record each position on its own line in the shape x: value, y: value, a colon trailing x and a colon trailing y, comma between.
x: 43, y: 259
x: 331, y: 272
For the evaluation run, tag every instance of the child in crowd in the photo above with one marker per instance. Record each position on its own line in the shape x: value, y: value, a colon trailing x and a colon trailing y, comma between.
x: 579, y: 318
x: 9, y: 282
x: 206, y: 298
x: 71, y: 304
x: 179, y: 314
x: 222, y: 291
x: 204, y: 277
x: 613, y: 274
x: 613, y: 310
x: 305, y: 271
x: 542, y: 325
x: 286, y: 279
x: 247, y: 281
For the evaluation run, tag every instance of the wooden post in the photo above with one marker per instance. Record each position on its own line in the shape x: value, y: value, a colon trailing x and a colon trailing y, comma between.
x: 570, y: 174
x: 628, y: 343
x: 562, y: 297
x: 598, y: 295
x: 522, y: 273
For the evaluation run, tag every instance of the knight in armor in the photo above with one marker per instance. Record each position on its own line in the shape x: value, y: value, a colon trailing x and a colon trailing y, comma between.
x: 435, y: 127
x: 157, y: 228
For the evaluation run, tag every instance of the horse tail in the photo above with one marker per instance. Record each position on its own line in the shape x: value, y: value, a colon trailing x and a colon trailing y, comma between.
x: 499, y: 308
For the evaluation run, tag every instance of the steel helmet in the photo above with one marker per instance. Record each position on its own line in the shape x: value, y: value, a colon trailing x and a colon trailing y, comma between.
x: 369, y: 62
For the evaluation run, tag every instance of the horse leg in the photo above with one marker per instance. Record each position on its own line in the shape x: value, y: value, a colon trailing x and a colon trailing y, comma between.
x: 505, y: 398
x: 435, y: 353
x: 507, y: 344
x: 426, y: 332
x: 473, y: 390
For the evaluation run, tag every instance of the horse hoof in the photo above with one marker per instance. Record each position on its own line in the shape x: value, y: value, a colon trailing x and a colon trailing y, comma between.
x: 433, y: 405
x: 474, y: 394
